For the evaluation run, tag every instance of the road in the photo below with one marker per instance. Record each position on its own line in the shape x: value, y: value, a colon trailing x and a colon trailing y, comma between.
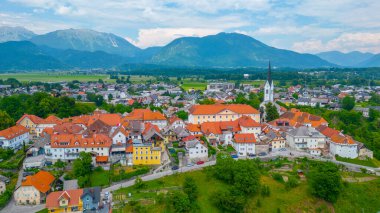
x: 157, y: 175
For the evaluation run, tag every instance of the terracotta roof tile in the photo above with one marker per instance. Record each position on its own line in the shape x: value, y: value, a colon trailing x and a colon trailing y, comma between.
x: 216, y: 108
x: 13, y: 132
x: 245, y: 138
x: 73, y: 196
x: 41, y: 181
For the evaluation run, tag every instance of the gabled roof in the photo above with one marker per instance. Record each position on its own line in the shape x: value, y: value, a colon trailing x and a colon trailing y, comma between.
x: 216, y: 108
x: 13, y: 132
x: 296, y: 118
x: 193, y: 127
x: 72, y: 140
x: 245, y: 138
x: 144, y: 115
x: 73, y: 196
x: 35, y: 119
x: 41, y: 181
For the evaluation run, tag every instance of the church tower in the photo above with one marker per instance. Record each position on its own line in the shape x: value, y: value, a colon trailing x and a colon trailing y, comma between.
x: 269, y: 87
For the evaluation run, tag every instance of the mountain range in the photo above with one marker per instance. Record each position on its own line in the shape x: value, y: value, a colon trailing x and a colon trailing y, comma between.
x: 82, y: 48
x: 350, y: 59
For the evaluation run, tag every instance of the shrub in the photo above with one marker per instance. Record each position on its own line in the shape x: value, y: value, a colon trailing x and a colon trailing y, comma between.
x: 278, y: 177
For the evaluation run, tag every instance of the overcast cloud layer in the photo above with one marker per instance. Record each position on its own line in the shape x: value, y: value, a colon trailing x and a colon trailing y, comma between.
x: 301, y: 25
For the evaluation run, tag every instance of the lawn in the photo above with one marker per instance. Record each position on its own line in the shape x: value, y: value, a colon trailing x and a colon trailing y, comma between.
x: 356, y: 197
x: 55, y: 77
x: 99, y: 178
x: 194, y: 85
x: 43, y: 211
x: 370, y: 162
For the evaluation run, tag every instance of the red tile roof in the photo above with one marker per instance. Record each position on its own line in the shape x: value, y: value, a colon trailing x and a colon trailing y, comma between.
x: 101, y: 159
x: 216, y: 108
x: 13, y: 132
x: 41, y: 181
x: 72, y: 140
x: 73, y: 196
x: 245, y: 138
x: 144, y: 115
x: 296, y: 118
x: 193, y: 127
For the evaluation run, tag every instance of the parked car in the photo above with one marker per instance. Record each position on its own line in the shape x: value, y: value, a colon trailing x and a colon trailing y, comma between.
x: 190, y: 165
x: 175, y: 168
x: 262, y: 153
x: 200, y: 162
x: 251, y: 155
x: 234, y: 156
x: 282, y: 149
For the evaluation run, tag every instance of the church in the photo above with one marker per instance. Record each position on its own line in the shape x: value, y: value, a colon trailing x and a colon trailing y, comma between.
x: 268, y: 88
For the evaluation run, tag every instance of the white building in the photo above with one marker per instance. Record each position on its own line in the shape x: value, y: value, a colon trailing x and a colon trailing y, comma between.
x: 195, y: 149
x: 14, y: 137
x: 306, y: 138
x: 344, y: 146
x: 269, y: 88
x: 244, y: 144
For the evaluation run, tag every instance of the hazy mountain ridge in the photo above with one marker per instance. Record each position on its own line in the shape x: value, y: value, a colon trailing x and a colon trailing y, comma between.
x: 350, y: 59
x: 231, y: 50
x: 87, y: 40
x: 15, y: 34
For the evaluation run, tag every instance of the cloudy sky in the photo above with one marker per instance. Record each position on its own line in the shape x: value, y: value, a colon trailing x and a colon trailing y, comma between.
x: 301, y: 25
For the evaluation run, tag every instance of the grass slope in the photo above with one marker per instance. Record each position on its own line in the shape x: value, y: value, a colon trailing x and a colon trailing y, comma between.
x: 356, y: 197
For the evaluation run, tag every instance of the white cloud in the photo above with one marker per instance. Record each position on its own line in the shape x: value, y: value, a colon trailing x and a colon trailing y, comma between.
x: 163, y: 36
x: 365, y: 42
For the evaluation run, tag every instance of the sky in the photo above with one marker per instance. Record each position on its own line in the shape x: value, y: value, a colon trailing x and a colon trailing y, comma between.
x: 308, y: 26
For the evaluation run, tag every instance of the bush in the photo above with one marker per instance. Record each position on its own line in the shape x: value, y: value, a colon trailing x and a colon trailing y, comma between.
x: 125, y: 176
x: 292, y: 182
x: 265, y: 191
x: 278, y: 177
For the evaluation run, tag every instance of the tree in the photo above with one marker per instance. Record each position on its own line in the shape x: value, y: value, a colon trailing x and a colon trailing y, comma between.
x: 271, y: 112
x: 190, y: 188
x: 228, y: 201
x: 5, y: 120
x: 348, y: 103
x: 139, y: 183
x: 181, y: 202
x: 59, y: 164
x: 325, y: 181
x: 110, y: 97
x: 183, y: 114
x: 82, y: 166
x: 295, y: 95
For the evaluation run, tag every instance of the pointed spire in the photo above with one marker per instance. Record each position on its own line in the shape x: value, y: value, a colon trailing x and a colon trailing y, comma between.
x: 269, y: 74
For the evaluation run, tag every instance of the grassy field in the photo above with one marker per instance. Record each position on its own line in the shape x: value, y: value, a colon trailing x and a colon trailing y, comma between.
x: 194, y: 85
x: 356, y: 197
x: 55, y: 77
x: 99, y: 178
x: 370, y: 162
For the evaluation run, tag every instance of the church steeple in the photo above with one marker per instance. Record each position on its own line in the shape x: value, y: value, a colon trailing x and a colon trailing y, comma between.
x: 269, y: 74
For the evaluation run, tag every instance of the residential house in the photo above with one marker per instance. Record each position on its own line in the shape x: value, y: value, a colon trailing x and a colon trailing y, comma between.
x: 306, y: 138
x: 196, y: 149
x: 14, y: 137
x: 91, y: 199
x: 199, y: 114
x: 147, y: 116
x: 34, y: 188
x: 36, y: 125
x: 244, y: 144
x: 296, y: 118
x: 65, y: 201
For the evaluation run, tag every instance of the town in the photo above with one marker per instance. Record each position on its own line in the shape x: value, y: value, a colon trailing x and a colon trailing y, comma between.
x: 131, y: 130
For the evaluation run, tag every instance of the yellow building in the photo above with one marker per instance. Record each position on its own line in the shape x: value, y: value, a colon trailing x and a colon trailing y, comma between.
x: 65, y: 201
x: 199, y: 114
x: 146, y: 154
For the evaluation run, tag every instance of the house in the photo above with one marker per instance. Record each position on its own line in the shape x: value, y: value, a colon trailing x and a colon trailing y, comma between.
x: 147, y: 116
x: 14, y: 137
x: 344, y: 146
x: 296, y: 118
x: 3, y: 184
x: 306, y: 138
x: 219, y: 112
x: 67, y: 147
x: 276, y: 140
x: 148, y: 148
x: 34, y: 162
x: 34, y: 188
x: 65, y: 201
x: 244, y: 144
x: 36, y: 125
x: 195, y: 148
x: 91, y: 199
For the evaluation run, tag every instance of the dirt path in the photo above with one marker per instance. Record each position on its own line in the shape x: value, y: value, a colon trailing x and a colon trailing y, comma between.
x: 359, y: 179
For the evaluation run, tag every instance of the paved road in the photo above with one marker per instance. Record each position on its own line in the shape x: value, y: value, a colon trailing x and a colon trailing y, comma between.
x: 13, y: 208
x: 156, y: 176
